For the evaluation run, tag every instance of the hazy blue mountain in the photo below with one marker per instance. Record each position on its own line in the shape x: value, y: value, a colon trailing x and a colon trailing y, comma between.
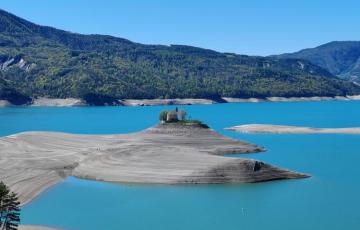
x: 341, y: 58
x: 44, y: 61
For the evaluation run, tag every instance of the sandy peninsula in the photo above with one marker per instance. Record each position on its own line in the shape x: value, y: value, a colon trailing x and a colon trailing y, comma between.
x: 283, y: 129
x: 31, y: 162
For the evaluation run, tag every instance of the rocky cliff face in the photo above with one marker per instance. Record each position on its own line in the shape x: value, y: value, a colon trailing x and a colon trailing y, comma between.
x: 7, y: 62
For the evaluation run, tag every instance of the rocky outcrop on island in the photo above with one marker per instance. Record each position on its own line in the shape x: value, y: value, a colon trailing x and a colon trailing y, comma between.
x: 31, y: 162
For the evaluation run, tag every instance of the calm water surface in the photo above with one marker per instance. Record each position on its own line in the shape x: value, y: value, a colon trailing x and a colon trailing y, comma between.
x: 328, y: 200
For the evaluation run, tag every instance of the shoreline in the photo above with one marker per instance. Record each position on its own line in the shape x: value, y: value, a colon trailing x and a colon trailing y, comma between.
x: 163, y: 154
x: 291, y: 99
x: 35, y: 227
x: 73, y: 102
x: 286, y: 129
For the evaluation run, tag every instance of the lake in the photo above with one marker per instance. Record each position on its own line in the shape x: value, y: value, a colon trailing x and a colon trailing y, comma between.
x: 328, y: 200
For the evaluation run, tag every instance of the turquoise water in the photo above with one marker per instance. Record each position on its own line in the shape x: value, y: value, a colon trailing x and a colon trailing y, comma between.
x: 328, y: 200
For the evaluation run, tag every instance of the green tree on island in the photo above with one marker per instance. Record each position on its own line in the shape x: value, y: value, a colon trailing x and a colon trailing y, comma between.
x: 9, y: 209
x: 163, y: 115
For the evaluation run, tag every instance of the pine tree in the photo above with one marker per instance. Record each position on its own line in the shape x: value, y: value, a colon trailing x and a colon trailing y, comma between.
x: 9, y: 209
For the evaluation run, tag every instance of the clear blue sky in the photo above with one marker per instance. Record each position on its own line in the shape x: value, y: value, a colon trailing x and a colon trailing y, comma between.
x: 255, y: 27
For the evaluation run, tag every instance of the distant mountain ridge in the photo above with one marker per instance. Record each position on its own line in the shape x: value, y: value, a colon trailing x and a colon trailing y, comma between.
x: 341, y: 58
x: 41, y: 61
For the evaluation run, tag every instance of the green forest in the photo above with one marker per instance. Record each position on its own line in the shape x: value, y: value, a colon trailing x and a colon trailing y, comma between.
x: 40, y: 61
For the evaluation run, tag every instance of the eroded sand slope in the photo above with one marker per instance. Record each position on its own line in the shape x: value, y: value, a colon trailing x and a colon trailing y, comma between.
x: 31, y: 162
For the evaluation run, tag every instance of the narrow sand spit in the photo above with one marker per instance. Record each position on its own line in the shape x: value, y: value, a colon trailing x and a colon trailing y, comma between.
x: 31, y: 162
x: 34, y: 227
x: 278, y: 129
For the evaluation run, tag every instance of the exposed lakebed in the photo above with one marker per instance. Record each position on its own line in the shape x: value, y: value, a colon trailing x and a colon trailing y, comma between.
x: 327, y: 200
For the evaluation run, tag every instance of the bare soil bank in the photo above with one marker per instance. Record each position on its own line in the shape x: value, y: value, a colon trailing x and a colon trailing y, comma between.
x: 59, y: 102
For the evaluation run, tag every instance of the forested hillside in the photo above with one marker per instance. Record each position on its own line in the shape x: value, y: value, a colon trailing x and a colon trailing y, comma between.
x: 43, y: 61
x: 341, y: 58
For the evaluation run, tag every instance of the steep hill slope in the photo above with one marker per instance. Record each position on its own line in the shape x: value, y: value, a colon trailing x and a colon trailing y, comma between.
x: 341, y: 58
x: 11, y: 95
x: 43, y: 61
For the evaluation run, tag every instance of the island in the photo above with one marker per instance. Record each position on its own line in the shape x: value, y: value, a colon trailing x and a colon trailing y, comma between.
x: 176, y: 151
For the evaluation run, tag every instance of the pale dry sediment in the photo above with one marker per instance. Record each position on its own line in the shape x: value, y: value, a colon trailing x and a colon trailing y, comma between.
x: 4, y: 103
x: 238, y: 100
x: 291, y: 99
x: 283, y: 129
x: 176, y: 101
x: 58, y: 102
x: 34, y: 227
x: 69, y: 102
x: 31, y: 162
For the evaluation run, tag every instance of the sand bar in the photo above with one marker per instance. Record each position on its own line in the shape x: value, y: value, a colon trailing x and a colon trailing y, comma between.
x: 34, y: 227
x: 283, y: 129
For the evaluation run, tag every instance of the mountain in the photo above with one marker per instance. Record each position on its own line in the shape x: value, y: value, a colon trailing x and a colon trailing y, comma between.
x: 341, y: 58
x: 41, y: 61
